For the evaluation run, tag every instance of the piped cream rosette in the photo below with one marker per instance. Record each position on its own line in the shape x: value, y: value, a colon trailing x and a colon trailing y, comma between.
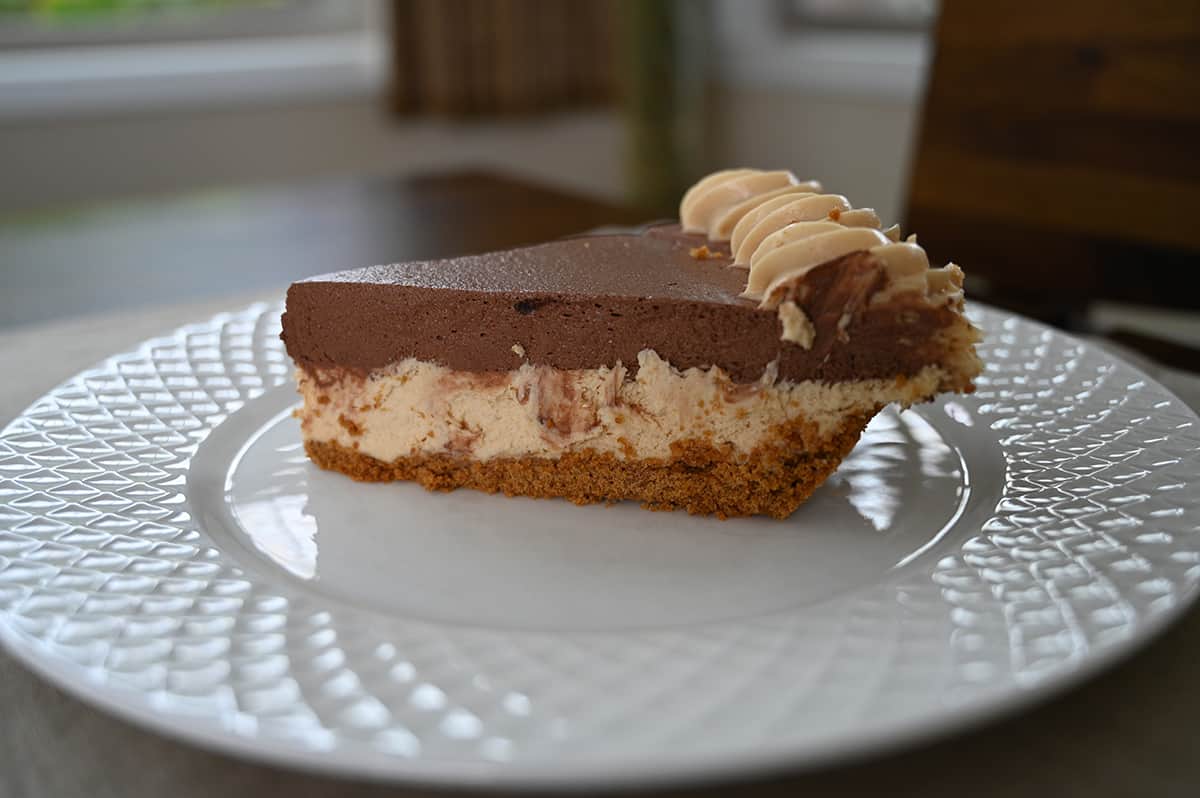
x: 781, y: 228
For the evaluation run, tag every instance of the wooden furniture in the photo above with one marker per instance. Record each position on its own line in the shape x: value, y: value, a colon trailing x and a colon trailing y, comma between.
x: 1059, y: 152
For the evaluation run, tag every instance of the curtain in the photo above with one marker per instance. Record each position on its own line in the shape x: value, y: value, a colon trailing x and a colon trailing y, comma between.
x: 498, y: 57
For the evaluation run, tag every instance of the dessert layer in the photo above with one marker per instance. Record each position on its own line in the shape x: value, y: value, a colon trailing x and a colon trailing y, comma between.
x: 416, y: 407
x: 698, y: 477
x: 579, y: 303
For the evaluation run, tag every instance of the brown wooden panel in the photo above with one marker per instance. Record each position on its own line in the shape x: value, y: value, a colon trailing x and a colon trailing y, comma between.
x: 1169, y: 149
x: 1059, y: 153
x: 1117, y: 76
x: 1017, y: 23
x: 1072, y: 199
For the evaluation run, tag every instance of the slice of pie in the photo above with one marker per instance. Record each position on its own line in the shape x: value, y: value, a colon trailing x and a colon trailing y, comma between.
x: 724, y: 365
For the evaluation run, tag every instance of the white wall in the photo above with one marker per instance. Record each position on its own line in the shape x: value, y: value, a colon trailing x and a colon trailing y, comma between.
x: 857, y: 147
x: 841, y: 106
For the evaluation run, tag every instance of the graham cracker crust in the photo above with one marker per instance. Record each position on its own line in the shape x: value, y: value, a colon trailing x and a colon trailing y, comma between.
x: 699, y: 477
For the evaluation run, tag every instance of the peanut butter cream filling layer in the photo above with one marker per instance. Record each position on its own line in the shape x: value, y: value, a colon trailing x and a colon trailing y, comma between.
x: 418, y: 408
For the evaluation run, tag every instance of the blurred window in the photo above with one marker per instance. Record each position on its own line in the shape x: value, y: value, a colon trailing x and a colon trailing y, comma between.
x: 67, y: 56
x: 51, y: 23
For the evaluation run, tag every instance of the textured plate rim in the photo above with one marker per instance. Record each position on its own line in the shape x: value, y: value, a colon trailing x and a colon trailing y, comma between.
x: 131, y: 706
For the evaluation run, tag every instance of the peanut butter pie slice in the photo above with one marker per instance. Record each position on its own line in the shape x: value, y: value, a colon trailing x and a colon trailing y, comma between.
x: 724, y: 365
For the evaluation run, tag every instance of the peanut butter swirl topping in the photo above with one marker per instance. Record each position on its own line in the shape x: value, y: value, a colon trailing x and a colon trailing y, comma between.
x: 781, y: 228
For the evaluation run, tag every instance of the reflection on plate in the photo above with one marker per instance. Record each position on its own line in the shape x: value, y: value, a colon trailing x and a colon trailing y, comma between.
x: 400, y: 549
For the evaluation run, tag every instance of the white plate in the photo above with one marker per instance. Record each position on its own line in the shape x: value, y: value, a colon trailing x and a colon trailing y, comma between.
x: 167, y: 552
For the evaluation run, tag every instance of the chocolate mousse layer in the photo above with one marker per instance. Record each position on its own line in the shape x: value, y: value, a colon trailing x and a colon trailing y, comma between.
x: 595, y: 301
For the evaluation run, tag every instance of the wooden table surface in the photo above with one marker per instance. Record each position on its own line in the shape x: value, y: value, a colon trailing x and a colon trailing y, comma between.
x: 80, y: 286
x: 138, y: 254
